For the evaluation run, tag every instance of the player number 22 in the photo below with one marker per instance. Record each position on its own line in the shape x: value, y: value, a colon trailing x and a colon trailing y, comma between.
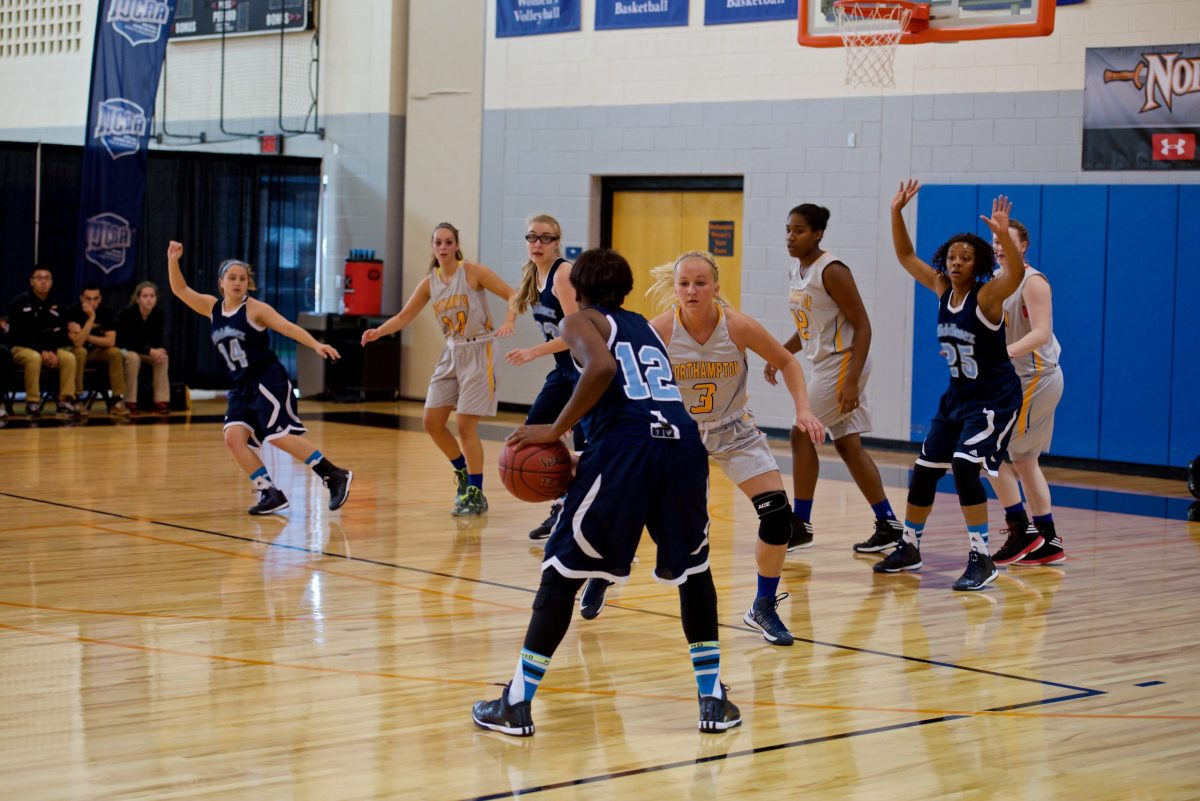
x: 960, y: 361
x: 656, y: 383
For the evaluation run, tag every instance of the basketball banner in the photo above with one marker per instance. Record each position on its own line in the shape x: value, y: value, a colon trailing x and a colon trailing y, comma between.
x: 127, y: 58
x: 619, y: 14
x: 724, y: 12
x: 530, y: 17
x: 1141, y: 108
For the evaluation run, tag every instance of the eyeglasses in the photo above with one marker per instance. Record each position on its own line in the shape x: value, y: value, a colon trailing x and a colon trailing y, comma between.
x: 545, y: 239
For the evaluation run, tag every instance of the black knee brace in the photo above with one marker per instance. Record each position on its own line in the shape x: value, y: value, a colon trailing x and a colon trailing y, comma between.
x: 556, y: 588
x: 923, y: 485
x: 774, y: 517
x: 967, y: 482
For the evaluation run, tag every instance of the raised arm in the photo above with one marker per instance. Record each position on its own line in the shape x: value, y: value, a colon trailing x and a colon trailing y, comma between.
x: 748, y: 333
x: 481, y: 276
x: 196, y: 301
x: 416, y: 302
x: 1036, y: 297
x: 586, y: 333
x: 265, y: 315
x: 993, y: 293
x: 926, y: 276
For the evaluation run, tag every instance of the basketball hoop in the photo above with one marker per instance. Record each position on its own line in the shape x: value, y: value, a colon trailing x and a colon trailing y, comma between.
x: 870, y: 31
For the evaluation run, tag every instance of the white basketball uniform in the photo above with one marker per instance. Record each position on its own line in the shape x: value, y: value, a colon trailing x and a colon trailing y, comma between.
x: 1041, y: 378
x: 826, y: 336
x: 465, y: 377
x: 712, y: 380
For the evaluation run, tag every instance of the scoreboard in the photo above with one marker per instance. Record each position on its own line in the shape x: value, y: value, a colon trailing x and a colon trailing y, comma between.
x: 200, y: 19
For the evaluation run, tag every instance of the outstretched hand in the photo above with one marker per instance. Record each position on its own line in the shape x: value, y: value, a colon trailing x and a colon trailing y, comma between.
x: 327, y: 352
x: 907, y: 191
x: 999, y: 221
x: 175, y: 250
x: 370, y: 335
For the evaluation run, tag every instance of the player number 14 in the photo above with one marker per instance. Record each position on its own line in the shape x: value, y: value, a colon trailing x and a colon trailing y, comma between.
x: 235, y: 357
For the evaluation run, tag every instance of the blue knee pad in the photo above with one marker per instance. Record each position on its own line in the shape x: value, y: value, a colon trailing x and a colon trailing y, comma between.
x: 923, y: 485
x: 967, y: 482
x: 774, y: 517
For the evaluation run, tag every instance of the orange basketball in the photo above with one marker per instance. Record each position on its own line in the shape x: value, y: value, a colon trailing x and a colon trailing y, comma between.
x: 536, y: 473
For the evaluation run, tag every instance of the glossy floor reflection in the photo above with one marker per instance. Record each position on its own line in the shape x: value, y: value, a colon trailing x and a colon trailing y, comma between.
x: 157, y: 642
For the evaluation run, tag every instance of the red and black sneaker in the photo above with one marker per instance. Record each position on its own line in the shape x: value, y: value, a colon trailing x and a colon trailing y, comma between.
x: 1020, y: 543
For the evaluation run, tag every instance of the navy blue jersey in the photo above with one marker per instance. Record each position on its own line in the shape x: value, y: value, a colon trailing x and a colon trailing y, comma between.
x: 548, y: 314
x: 974, y: 347
x: 642, y: 401
x: 245, y: 347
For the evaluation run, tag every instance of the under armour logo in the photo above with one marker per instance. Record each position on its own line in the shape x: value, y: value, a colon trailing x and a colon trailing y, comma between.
x: 1174, y: 147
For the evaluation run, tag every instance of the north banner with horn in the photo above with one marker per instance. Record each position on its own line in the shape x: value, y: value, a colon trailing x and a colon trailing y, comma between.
x: 1141, y: 108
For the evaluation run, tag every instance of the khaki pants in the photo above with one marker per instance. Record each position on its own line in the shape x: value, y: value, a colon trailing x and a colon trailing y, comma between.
x: 133, y: 363
x: 31, y: 362
x: 109, y: 356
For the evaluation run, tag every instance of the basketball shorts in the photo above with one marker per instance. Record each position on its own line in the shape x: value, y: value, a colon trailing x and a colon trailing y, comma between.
x: 621, y: 486
x: 264, y: 404
x: 1040, y: 395
x: 740, y: 449
x: 976, y: 429
x: 824, y: 390
x: 549, y: 403
x: 464, y: 378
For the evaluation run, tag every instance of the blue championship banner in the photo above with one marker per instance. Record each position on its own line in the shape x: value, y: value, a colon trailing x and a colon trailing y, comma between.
x: 127, y: 58
x: 529, y: 17
x: 724, y: 12
x: 1141, y: 108
x: 618, y: 14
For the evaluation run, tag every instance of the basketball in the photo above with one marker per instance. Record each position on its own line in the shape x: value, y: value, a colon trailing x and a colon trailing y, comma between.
x: 536, y: 473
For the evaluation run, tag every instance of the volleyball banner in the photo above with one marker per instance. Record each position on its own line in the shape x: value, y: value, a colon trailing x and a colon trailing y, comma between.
x: 531, y: 17
x: 1141, y: 108
x: 621, y: 14
x: 724, y: 12
x: 127, y: 59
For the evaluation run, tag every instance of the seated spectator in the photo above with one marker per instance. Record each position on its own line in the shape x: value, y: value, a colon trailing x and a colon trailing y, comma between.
x: 93, y: 333
x: 140, y: 336
x: 38, y: 336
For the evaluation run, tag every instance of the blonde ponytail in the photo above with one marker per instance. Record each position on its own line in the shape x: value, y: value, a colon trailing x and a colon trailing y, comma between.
x: 662, y: 288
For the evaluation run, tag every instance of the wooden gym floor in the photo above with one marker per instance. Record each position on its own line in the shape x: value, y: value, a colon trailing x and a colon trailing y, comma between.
x: 158, y: 643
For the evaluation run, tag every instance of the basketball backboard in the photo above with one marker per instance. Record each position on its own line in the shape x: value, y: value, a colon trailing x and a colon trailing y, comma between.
x: 949, y: 21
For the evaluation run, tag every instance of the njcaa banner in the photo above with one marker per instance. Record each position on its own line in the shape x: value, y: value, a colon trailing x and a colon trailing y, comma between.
x: 722, y: 12
x: 529, y: 17
x: 127, y: 58
x: 613, y: 14
x: 1141, y: 108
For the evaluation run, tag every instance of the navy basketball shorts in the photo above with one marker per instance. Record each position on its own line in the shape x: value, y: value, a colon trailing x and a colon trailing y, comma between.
x: 264, y: 404
x: 560, y: 383
x: 622, y: 486
x: 976, y: 429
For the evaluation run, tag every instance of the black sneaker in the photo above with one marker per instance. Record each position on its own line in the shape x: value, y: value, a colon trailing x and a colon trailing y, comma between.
x: 888, y: 534
x: 802, y: 535
x: 515, y: 720
x: 1019, y: 544
x: 66, y: 408
x: 1051, y: 553
x: 547, y: 525
x: 472, y: 502
x: 33, y: 410
x: 980, y: 572
x: 270, y: 501
x: 592, y: 600
x: 906, y: 556
x: 764, y: 617
x: 719, y: 714
x: 338, y: 484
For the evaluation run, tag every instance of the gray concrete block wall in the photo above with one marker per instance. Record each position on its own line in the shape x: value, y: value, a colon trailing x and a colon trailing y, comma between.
x: 788, y: 152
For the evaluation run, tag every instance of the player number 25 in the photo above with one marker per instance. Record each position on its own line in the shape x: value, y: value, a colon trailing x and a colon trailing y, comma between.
x: 959, y: 359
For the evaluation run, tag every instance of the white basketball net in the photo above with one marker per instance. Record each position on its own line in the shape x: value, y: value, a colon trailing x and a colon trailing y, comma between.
x: 870, y: 34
